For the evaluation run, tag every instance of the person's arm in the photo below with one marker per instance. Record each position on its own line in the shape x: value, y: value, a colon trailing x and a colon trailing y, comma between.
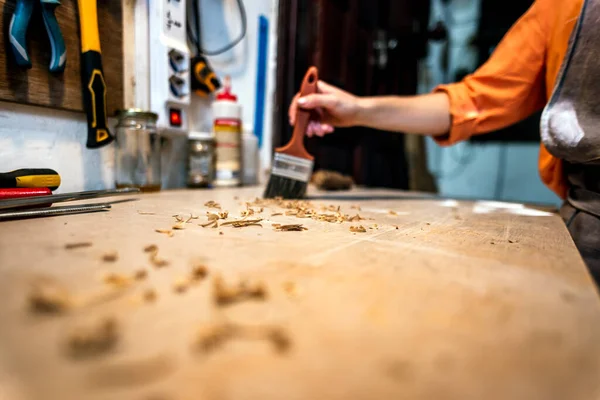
x: 427, y: 114
x: 506, y: 89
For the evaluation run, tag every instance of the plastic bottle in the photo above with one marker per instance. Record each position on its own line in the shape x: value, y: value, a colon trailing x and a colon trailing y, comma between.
x: 227, y: 126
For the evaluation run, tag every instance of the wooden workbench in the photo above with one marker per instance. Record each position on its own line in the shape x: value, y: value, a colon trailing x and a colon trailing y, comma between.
x: 443, y: 300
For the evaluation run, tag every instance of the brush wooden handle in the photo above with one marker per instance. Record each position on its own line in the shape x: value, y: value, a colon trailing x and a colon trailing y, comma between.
x: 295, y: 147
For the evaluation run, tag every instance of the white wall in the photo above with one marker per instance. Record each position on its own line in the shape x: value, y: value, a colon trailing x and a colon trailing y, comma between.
x: 476, y: 170
x: 36, y: 137
x: 42, y: 137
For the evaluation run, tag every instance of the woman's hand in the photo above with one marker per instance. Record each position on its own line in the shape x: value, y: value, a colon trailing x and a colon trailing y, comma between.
x: 335, y: 107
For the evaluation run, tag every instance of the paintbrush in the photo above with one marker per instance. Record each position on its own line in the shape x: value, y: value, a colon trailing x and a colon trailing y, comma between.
x: 292, y: 164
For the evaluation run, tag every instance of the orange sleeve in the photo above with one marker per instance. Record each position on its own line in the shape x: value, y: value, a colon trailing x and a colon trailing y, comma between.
x: 508, y: 87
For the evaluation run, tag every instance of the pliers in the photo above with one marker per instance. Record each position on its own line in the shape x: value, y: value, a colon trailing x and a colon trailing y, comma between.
x: 18, y: 31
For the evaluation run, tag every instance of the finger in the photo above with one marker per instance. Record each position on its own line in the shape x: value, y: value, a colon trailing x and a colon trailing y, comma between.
x: 293, y: 108
x: 327, y: 128
x: 313, y: 101
x: 326, y: 88
x: 314, y: 127
x: 319, y: 130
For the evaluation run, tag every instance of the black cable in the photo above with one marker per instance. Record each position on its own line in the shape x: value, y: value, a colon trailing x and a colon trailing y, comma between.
x: 198, y: 41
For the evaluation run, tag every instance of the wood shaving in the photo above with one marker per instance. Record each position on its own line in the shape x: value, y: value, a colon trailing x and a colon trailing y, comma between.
x: 356, y: 218
x: 214, y: 336
x: 211, y: 337
x: 94, y: 339
x: 140, y: 275
x: 199, y: 272
x: 149, y: 295
x: 181, y: 285
x: 154, y: 259
x: 225, y: 295
x: 151, y: 248
x: 331, y: 180
x: 80, y: 245
x: 117, y: 280
x: 179, y: 226
x: 289, y: 228
x: 167, y: 232
x: 242, y: 223
x: 247, y: 213
x: 392, y: 212
x: 145, y: 213
x: 279, y: 338
x: 110, y: 257
x: 212, y: 204
x: 213, y: 219
x: 276, y: 214
x: 47, y: 296
x: 358, y: 229
x: 158, y: 262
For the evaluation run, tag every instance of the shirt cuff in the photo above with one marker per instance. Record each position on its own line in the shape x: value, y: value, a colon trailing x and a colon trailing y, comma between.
x: 463, y: 111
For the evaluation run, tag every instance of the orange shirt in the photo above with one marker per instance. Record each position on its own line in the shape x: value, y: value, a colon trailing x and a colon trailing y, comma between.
x: 517, y: 80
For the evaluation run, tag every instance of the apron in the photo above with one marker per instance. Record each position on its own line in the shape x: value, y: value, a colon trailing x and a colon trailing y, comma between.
x: 570, y: 129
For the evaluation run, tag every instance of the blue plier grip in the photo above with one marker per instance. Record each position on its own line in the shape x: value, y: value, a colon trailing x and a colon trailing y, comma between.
x: 17, y: 32
x: 58, y: 58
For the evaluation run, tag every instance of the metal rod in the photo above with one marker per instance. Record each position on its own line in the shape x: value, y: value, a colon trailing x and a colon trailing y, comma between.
x: 59, y: 198
x: 53, y: 211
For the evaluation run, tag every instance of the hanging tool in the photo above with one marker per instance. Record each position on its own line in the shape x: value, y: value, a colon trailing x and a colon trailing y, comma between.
x: 204, y: 79
x: 18, y: 32
x: 92, y: 76
x: 53, y: 211
x: 30, y: 178
x: 59, y: 198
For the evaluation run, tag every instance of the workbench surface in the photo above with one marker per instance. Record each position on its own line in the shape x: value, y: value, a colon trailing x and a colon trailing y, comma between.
x: 436, y: 300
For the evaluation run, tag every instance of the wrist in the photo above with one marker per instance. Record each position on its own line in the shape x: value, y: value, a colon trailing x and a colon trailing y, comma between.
x: 365, y: 107
x: 366, y: 110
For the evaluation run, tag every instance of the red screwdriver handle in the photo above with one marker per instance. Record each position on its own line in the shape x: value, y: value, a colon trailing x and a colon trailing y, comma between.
x: 15, y: 193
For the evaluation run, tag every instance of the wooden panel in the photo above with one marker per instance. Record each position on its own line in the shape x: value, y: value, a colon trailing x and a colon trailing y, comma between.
x: 37, y: 86
x: 443, y: 300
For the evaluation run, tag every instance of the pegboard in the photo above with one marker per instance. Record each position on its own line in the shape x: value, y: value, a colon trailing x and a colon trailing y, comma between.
x: 37, y: 86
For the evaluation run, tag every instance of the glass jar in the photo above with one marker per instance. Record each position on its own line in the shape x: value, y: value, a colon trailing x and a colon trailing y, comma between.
x: 138, y: 151
x: 201, y: 159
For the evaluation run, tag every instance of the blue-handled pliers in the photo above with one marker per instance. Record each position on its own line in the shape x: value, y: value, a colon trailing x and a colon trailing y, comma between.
x: 18, y: 31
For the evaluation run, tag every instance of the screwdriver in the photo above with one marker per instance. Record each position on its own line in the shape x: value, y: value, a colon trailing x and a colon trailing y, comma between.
x: 30, y: 178
x: 16, y: 193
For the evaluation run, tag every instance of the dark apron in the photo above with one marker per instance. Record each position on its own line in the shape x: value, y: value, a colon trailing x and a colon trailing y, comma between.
x: 570, y: 130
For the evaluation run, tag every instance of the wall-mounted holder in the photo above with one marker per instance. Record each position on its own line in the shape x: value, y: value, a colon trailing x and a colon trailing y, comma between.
x: 169, y: 65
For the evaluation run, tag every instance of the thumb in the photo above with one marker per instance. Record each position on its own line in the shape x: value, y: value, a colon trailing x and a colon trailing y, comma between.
x: 313, y: 101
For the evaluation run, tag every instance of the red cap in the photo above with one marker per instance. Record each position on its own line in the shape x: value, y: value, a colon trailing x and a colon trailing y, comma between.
x: 226, y: 93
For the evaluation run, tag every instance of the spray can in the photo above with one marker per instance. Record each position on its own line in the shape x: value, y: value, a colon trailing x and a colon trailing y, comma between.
x: 227, y: 126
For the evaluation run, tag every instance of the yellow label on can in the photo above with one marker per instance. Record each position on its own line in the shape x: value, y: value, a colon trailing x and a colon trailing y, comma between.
x: 228, y: 138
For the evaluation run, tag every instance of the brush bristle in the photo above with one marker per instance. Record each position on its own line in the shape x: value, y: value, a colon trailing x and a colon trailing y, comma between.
x: 285, y: 187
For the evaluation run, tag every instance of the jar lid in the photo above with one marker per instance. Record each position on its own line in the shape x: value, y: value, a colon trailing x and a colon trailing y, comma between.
x: 136, y: 113
x: 201, y: 136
